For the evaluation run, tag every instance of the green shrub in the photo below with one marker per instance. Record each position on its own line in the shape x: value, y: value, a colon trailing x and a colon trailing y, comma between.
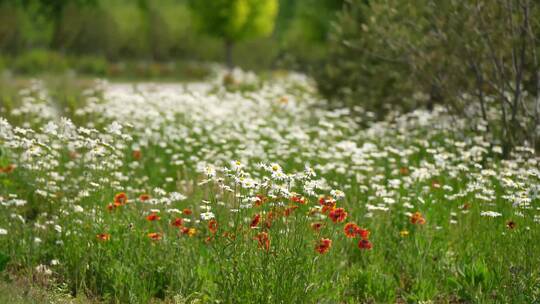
x: 194, y: 70
x: 92, y: 65
x: 360, y: 68
x: 477, y: 59
x: 39, y: 60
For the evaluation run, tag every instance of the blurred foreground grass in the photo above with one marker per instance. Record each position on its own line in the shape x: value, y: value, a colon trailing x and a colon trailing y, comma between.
x: 21, y: 292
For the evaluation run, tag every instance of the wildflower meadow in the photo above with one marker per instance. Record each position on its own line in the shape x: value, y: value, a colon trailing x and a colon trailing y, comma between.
x: 260, y: 193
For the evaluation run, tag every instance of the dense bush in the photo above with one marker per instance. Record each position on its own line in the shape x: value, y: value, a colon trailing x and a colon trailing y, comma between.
x: 478, y: 59
x: 40, y: 60
x: 361, y: 68
x: 43, y: 62
x: 92, y: 65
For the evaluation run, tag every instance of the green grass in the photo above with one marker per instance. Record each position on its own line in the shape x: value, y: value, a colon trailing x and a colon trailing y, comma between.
x: 404, y: 165
x: 21, y: 292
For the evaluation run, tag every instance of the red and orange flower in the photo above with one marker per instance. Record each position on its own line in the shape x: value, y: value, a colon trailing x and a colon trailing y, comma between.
x: 103, y: 236
x: 144, y: 197
x: 153, y: 217
x: 289, y: 210
x: 269, y: 219
x: 417, y: 219
x: 188, y: 231
x: 263, y: 240
x: 8, y: 169
x: 323, y: 246
x: 177, y: 222
x: 213, y: 226
x: 137, y: 154
x: 327, y: 203
x: 260, y: 199
x: 363, y: 233
x: 317, y: 226
x: 155, y: 236
x: 351, y: 230
x: 298, y: 199
x: 365, y: 244
x: 255, y: 221
x: 120, y: 199
x: 338, y: 215
x: 511, y: 224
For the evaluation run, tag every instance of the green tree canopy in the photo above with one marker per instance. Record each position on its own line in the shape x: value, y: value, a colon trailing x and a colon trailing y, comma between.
x: 235, y: 20
x: 53, y: 10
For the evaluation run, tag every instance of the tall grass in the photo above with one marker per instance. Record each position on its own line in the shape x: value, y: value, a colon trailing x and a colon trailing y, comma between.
x: 212, y: 195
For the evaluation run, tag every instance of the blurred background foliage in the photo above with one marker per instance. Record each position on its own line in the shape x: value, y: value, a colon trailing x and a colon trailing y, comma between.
x: 102, y: 37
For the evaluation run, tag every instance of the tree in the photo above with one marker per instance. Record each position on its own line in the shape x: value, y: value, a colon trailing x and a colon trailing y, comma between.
x: 54, y: 11
x: 235, y: 20
x: 316, y: 17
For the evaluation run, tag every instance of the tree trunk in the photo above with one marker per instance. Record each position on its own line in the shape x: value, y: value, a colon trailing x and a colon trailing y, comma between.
x: 57, y: 35
x: 534, y: 132
x: 229, y: 54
